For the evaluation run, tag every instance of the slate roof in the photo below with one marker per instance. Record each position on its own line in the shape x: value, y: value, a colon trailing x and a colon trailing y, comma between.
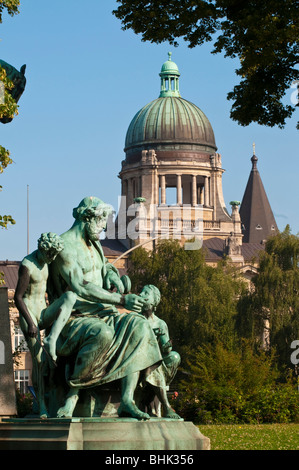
x: 113, y: 247
x: 215, y: 248
x: 10, y: 270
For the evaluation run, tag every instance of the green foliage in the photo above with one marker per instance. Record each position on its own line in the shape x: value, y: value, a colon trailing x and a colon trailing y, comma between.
x: 8, y: 108
x: 198, y: 302
x: 5, y: 160
x: 17, y: 353
x: 24, y: 403
x: 11, y: 6
x: 275, y: 297
x: 241, y: 386
x: 263, y: 35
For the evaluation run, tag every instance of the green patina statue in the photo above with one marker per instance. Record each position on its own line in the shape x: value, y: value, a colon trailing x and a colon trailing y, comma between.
x: 93, y: 343
x: 106, y: 345
x: 159, y: 379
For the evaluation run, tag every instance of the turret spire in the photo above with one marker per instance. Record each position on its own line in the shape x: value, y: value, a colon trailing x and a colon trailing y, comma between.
x: 257, y: 218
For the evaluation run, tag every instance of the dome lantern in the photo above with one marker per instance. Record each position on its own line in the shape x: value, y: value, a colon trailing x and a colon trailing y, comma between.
x: 169, y: 78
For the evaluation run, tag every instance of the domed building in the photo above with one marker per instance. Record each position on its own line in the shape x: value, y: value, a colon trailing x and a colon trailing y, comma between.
x: 171, y: 182
x: 172, y: 169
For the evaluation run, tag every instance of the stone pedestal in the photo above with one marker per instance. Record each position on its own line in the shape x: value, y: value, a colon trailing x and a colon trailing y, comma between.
x: 110, y: 434
x: 7, y: 384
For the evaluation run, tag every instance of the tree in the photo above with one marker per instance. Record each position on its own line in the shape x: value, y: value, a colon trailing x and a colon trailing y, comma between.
x: 263, y: 35
x: 198, y: 302
x: 8, y: 106
x: 275, y: 298
x: 240, y: 386
x: 11, y: 6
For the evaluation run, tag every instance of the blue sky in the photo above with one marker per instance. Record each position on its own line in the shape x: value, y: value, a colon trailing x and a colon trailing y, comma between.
x: 86, y: 79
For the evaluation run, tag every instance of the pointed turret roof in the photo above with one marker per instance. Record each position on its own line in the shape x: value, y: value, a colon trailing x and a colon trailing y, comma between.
x: 258, y: 222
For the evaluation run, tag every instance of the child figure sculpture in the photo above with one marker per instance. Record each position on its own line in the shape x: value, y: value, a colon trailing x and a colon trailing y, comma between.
x: 161, y: 377
x: 35, y: 313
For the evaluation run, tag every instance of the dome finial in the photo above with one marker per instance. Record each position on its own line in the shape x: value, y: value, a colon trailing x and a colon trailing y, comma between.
x: 169, y: 55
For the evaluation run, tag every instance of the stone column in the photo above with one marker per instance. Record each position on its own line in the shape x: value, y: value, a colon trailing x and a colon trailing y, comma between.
x: 133, y: 189
x: 202, y: 195
x: 124, y: 187
x: 139, y: 186
x: 179, y: 189
x: 130, y: 192
x: 207, y: 192
x: 163, y: 189
x: 194, y: 191
x: 7, y: 383
x: 156, y: 196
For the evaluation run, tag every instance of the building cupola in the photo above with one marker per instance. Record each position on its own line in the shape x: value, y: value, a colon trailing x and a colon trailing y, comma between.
x: 169, y: 79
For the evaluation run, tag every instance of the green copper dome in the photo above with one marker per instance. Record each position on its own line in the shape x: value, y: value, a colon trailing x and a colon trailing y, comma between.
x: 170, y: 124
x: 170, y: 67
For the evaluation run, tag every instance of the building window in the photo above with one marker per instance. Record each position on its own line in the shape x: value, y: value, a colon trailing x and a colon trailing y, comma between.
x: 20, y: 342
x: 22, y: 380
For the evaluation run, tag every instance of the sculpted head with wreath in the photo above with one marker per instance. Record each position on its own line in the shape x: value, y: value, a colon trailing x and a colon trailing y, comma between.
x: 93, y: 213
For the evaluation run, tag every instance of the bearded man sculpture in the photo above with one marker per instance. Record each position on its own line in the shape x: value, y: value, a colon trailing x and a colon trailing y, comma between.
x: 107, y: 345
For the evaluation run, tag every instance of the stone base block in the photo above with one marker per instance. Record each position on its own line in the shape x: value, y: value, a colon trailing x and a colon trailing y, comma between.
x: 101, y: 434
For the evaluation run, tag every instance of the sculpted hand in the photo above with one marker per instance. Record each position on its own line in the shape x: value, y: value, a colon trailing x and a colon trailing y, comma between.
x: 113, y: 280
x: 133, y: 302
x: 32, y: 331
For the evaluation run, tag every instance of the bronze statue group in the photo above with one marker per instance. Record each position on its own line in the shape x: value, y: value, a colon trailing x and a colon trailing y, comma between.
x: 95, y: 332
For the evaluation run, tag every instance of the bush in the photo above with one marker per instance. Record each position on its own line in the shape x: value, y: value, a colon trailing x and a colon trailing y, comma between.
x: 276, y: 404
x: 229, y: 387
x: 24, y: 403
